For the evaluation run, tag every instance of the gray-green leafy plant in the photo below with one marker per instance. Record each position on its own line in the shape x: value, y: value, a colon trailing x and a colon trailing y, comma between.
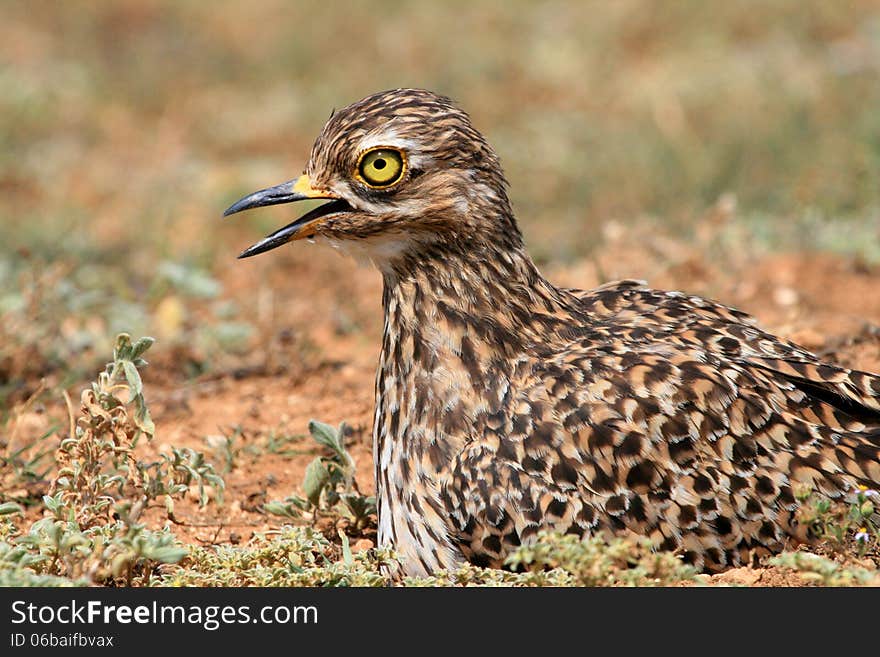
x: 92, y: 532
x: 818, y: 569
x: 226, y: 447
x: 596, y: 561
x: 289, y: 556
x: 328, y: 481
x: 842, y: 525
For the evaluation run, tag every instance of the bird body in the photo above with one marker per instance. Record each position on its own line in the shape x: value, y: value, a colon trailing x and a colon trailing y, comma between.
x: 506, y: 405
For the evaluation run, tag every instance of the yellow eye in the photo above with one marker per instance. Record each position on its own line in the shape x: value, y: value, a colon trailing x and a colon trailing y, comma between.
x: 381, y: 167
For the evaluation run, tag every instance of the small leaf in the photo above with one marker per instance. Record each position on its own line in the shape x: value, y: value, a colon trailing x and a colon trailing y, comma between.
x: 298, y: 502
x: 358, y: 505
x: 347, y: 556
x: 134, y: 379
x: 340, y: 432
x: 325, y: 435
x: 122, y: 349
x: 167, y: 554
x: 143, y: 421
x: 140, y: 347
x: 286, y: 509
x: 8, y: 508
x: 51, y: 503
x: 315, y: 480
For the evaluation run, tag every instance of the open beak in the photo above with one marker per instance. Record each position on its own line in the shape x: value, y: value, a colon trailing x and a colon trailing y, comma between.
x: 293, y: 190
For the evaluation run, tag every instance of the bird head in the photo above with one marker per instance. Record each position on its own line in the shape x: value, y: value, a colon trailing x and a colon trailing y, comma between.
x: 400, y: 170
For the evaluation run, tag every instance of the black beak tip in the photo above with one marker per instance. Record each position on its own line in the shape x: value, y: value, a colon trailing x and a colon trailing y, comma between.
x: 273, y: 241
x: 237, y: 207
x: 250, y: 252
x: 247, y: 253
x: 276, y: 195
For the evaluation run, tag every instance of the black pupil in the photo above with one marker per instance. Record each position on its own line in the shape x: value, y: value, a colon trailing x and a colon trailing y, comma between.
x: 379, y: 164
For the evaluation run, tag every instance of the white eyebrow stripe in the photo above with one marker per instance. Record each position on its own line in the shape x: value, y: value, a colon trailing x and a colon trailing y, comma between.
x: 385, y: 138
x: 389, y: 137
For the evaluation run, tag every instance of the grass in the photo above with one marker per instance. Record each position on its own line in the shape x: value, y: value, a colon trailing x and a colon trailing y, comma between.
x: 127, y: 127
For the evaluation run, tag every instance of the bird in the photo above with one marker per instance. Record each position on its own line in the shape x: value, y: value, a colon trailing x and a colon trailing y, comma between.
x: 507, y: 406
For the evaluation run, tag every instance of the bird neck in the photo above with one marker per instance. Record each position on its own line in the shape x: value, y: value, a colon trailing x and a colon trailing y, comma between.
x: 455, y: 322
x: 490, y: 293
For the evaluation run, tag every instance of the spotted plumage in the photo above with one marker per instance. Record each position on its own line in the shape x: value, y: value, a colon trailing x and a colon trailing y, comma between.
x: 506, y: 405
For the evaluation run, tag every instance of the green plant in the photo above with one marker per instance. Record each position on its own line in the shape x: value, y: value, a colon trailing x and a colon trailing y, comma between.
x: 97, y: 458
x: 566, y: 560
x: 290, y: 556
x: 8, y: 508
x: 92, y: 533
x: 18, y: 567
x: 224, y: 445
x: 278, y: 442
x: 597, y: 561
x: 328, y: 481
x: 173, y: 475
x: 821, y: 570
x: 841, y: 524
x: 101, y: 554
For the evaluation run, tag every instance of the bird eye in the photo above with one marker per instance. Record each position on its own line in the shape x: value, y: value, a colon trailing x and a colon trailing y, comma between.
x: 381, y: 167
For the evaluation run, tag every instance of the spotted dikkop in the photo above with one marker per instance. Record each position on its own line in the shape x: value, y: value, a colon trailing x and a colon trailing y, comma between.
x: 506, y: 405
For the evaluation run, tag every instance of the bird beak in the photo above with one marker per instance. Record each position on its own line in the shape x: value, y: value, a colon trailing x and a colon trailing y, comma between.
x: 293, y: 190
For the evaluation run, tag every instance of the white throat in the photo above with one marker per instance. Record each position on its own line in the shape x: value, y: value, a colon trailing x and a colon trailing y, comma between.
x: 381, y: 250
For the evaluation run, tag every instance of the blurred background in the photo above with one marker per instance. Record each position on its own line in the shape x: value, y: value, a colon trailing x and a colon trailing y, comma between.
x: 676, y: 141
